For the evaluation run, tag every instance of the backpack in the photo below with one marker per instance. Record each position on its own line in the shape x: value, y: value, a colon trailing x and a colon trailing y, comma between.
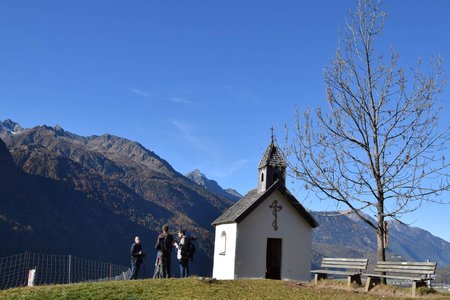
x: 165, y: 243
x: 189, y: 249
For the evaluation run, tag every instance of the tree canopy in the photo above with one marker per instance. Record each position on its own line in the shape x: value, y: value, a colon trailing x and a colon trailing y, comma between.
x: 379, y: 146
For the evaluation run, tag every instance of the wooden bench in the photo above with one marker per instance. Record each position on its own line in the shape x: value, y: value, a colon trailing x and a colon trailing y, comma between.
x: 350, y: 267
x: 417, y: 272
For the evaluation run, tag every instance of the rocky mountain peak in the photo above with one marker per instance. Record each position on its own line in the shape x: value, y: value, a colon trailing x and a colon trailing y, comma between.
x: 58, y: 128
x: 121, y: 149
x: 10, y: 126
x: 234, y: 193
x: 197, y: 172
x: 212, y: 186
x: 197, y: 176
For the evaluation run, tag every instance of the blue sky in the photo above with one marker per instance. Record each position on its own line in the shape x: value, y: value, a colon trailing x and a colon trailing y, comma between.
x: 198, y: 82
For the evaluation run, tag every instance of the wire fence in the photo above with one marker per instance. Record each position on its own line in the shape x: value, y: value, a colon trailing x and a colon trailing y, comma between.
x: 41, y: 269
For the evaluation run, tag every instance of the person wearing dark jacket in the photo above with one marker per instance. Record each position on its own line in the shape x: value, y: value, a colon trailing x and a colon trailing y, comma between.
x: 136, y: 257
x: 164, y: 245
x: 183, y: 253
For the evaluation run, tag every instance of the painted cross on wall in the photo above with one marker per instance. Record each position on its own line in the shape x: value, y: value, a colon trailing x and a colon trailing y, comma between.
x: 276, y: 208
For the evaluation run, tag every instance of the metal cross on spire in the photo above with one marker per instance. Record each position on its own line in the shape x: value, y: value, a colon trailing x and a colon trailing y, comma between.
x: 273, y: 136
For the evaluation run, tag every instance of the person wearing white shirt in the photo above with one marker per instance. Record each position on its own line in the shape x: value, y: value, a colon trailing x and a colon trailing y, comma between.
x: 183, y: 253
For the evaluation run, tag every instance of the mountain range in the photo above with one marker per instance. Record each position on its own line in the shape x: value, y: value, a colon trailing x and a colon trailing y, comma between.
x: 343, y: 234
x: 121, y: 179
x: 62, y: 193
x: 212, y: 186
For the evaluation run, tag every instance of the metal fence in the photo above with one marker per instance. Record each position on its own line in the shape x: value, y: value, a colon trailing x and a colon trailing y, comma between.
x: 40, y: 269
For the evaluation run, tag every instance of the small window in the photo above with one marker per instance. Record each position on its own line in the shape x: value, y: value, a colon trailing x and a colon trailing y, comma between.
x: 223, y: 243
x: 262, y: 177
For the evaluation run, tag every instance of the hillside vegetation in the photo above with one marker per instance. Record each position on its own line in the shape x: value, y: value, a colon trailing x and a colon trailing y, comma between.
x: 69, y: 185
x: 198, y: 288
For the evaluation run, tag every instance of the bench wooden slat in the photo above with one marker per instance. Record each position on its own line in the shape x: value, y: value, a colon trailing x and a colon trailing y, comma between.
x: 364, y: 260
x: 344, y: 263
x: 397, y: 277
x: 412, y: 268
x: 406, y: 263
x: 332, y: 272
x: 403, y: 267
x: 357, y: 263
x: 356, y: 267
x: 384, y: 270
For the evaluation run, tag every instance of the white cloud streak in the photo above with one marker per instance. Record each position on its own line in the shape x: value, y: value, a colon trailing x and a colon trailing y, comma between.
x: 182, y: 101
x: 186, y: 131
x: 140, y: 93
x: 146, y: 94
x: 231, y: 169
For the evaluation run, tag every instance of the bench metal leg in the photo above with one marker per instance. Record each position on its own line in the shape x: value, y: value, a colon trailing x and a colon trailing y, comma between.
x: 417, y: 284
x: 320, y: 276
x: 354, y: 278
x: 371, y: 282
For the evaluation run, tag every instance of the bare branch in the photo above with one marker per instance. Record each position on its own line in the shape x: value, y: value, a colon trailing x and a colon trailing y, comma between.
x: 378, y: 146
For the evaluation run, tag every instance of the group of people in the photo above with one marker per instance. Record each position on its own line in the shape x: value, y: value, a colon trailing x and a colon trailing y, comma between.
x: 164, y: 245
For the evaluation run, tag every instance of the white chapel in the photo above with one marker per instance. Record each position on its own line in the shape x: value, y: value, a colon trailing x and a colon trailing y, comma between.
x: 267, y: 233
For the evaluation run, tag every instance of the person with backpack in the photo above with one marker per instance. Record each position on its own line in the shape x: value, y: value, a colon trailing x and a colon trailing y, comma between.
x: 164, y: 245
x: 183, y: 254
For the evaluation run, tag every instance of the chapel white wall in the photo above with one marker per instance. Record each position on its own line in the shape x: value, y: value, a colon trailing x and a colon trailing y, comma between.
x: 224, y: 263
x: 252, y: 234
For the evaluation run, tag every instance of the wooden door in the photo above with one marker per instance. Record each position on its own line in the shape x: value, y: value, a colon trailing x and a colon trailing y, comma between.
x: 273, y: 259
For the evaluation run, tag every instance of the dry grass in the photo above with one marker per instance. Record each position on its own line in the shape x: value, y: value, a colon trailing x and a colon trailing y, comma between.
x: 206, y: 288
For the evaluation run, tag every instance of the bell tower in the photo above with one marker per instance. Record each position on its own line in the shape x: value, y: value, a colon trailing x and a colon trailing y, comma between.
x: 271, y: 168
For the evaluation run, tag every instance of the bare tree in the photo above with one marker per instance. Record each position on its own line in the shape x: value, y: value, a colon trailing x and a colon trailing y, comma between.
x: 379, y: 147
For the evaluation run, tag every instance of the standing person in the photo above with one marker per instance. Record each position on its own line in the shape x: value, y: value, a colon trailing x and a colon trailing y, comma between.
x: 158, y: 273
x: 164, y: 246
x: 183, y: 253
x: 136, y: 257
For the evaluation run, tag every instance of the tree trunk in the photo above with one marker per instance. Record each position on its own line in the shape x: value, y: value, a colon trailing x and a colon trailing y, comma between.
x: 381, y: 251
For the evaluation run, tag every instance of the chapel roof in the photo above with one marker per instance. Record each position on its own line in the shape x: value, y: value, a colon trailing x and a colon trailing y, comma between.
x: 272, y: 157
x: 249, y: 202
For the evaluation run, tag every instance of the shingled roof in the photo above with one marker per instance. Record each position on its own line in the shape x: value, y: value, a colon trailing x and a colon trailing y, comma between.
x: 249, y: 202
x: 272, y: 157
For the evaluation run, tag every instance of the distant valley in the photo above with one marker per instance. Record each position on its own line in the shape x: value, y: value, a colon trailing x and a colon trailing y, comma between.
x: 342, y: 234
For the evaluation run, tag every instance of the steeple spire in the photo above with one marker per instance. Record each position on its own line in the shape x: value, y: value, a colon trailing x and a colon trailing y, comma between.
x: 272, y: 166
x: 273, y: 138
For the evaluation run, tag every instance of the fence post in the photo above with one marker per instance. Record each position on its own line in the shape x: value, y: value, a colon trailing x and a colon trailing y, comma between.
x: 110, y: 271
x: 26, y: 267
x: 70, y: 266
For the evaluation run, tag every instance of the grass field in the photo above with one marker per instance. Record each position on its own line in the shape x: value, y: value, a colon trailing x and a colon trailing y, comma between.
x: 198, y: 288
